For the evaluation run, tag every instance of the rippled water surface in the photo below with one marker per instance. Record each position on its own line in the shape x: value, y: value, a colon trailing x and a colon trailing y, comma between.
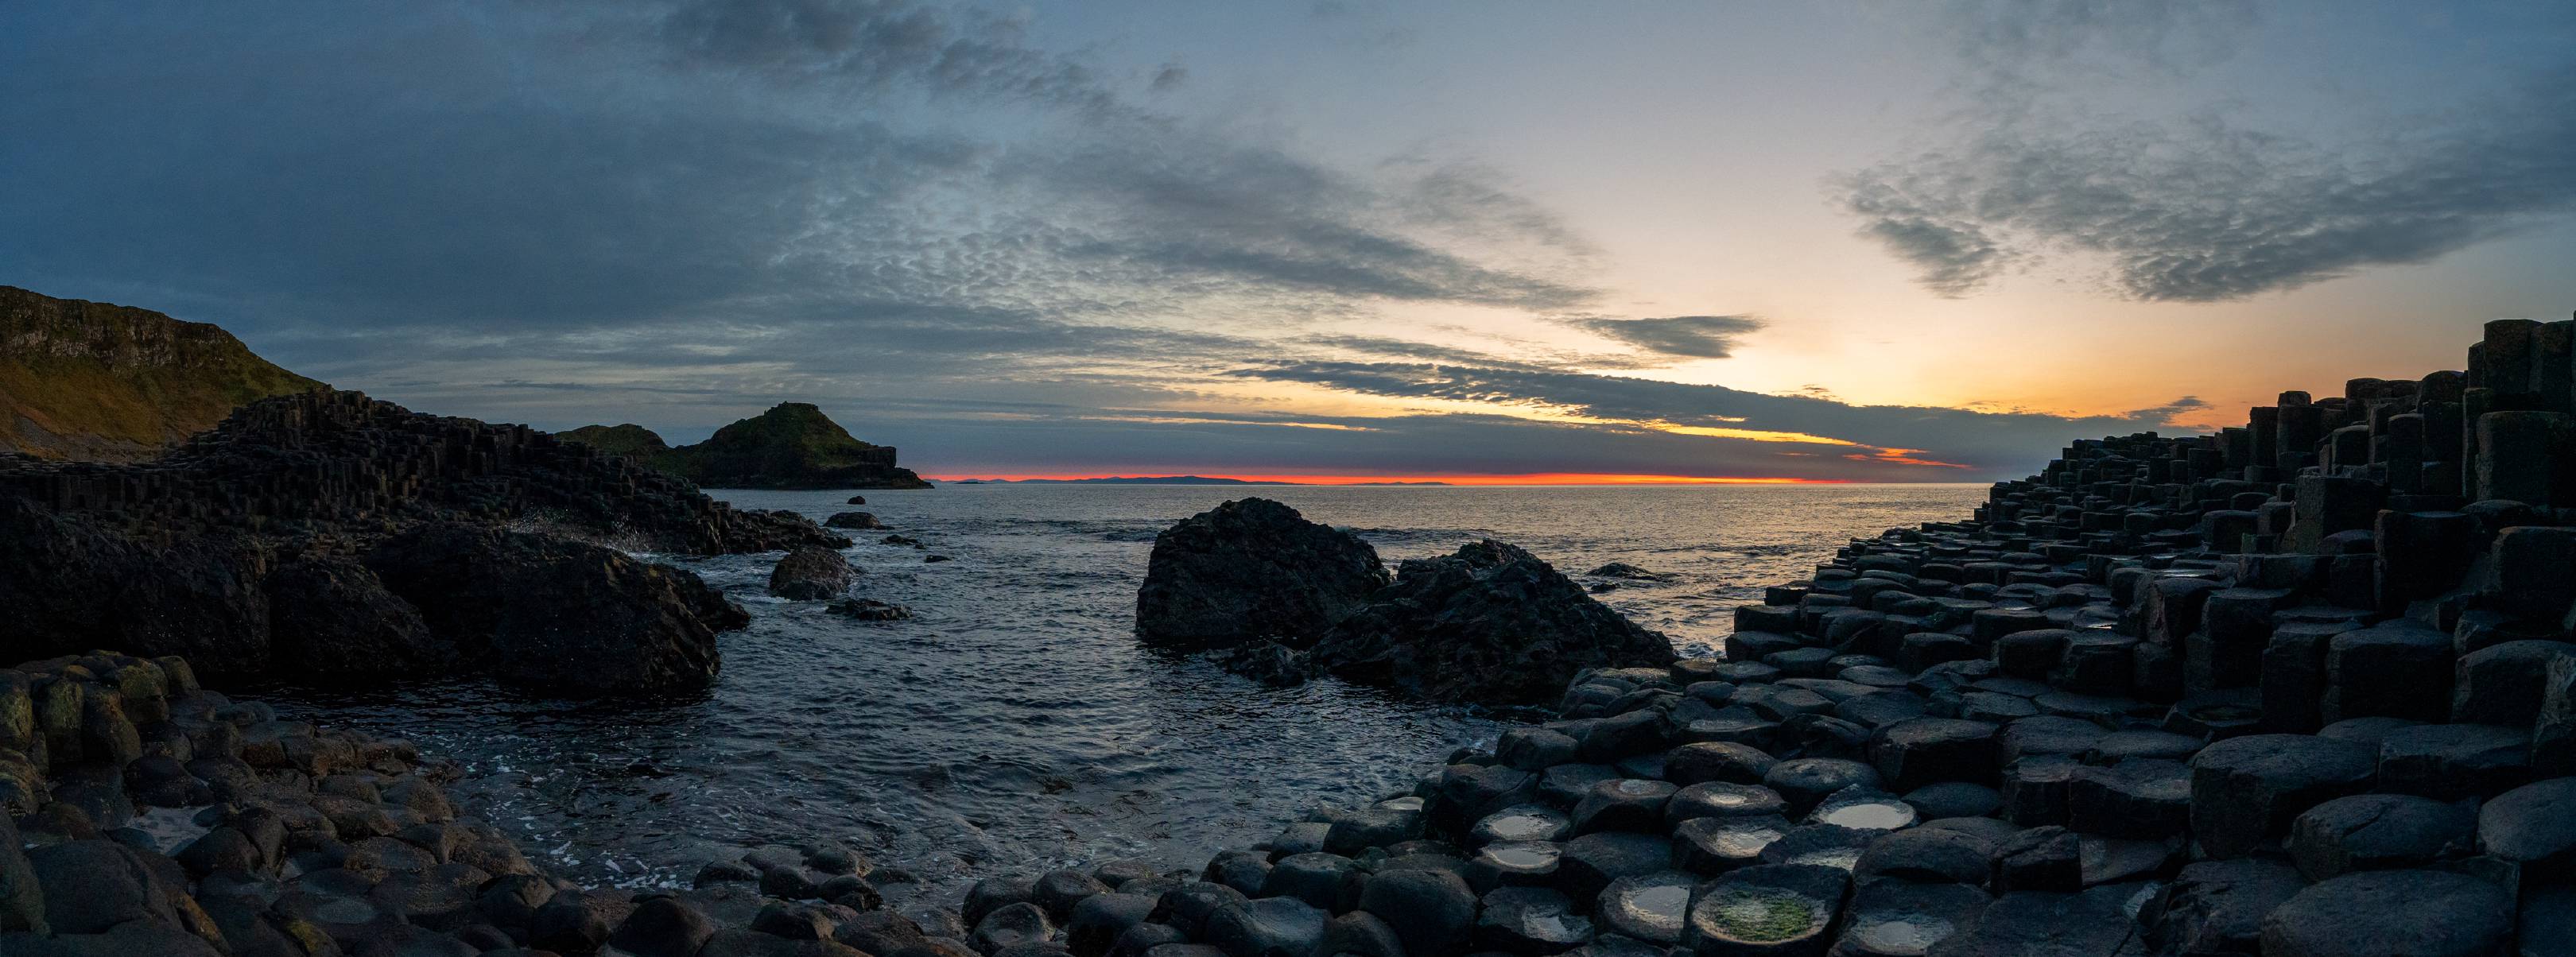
x: 1014, y: 723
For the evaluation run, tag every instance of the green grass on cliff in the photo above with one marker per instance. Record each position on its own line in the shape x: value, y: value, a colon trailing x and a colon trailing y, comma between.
x: 71, y: 387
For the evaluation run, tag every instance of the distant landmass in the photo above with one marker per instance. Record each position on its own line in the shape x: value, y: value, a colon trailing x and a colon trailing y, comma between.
x: 1169, y: 480
x: 96, y: 382
x: 791, y: 446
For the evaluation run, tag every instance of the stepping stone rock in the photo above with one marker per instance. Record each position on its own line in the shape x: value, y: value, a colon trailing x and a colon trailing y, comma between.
x: 1514, y: 864
x: 2376, y: 913
x: 1911, y: 754
x: 1901, y: 919
x: 2533, y: 826
x: 1266, y: 927
x: 1648, y: 907
x: 1566, y: 784
x: 1627, y: 804
x: 1767, y: 909
x: 2376, y: 832
x: 1589, y: 863
x: 2503, y: 684
x: 2217, y: 907
x: 2145, y: 799
x: 1715, y: 845
x: 2121, y: 746
x: 1315, y: 878
x: 1803, y: 782
x: 1927, y: 856
x: 2448, y: 762
x: 2048, y: 734
x: 2036, y: 789
x: 1719, y: 799
x: 1524, y: 822
x: 2038, y: 859
x: 2246, y: 790
x: 1825, y: 845
x: 1717, y: 761
x: 1530, y: 921
x: 2395, y: 669
x: 1954, y: 799
x: 1863, y: 808
x: 2039, y: 924
x: 1432, y: 912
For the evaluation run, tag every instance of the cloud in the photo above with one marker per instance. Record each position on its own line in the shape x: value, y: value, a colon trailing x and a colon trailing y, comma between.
x: 1171, y: 76
x: 2209, y: 205
x: 872, y: 45
x: 1987, y: 442
x: 1694, y: 337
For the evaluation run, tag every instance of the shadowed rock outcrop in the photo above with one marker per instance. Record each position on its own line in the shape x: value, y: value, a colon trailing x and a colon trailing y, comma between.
x: 1490, y: 623
x: 300, y: 538
x: 1252, y: 570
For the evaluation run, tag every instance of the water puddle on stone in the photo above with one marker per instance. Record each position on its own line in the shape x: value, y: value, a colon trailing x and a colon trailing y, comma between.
x: 1908, y: 934
x: 1521, y: 857
x: 1870, y: 816
x: 1524, y: 827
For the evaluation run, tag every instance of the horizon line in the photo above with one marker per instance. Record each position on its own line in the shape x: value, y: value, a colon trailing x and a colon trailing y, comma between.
x: 1526, y: 478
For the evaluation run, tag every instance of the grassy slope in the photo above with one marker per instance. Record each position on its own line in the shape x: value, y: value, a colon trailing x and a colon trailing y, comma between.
x: 98, y: 381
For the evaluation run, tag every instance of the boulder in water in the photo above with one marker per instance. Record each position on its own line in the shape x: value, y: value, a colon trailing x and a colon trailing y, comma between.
x: 1491, y: 623
x: 810, y: 573
x: 1250, y: 570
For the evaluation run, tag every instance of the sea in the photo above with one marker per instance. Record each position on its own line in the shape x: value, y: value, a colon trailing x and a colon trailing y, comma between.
x: 1014, y: 724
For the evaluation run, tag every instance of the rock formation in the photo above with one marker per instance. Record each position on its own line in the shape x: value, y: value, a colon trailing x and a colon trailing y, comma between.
x: 1252, y: 570
x: 98, y: 382
x: 793, y: 445
x: 1282, y: 596
x: 1490, y: 623
x: 325, y: 534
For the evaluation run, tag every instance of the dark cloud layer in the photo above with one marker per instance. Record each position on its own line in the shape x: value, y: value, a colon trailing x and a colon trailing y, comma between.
x: 2205, y: 208
x: 1690, y: 337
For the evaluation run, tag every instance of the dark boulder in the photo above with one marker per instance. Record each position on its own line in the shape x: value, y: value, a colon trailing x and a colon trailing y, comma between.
x: 1490, y: 623
x: 332, y: 617
x: 1249, y: 570
x: 810, y: 573
x: 555, y: 614
x: 70, y: 584
x: 2418, y: 913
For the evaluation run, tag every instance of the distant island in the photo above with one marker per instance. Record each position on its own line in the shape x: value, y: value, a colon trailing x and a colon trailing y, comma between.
x: 1172, y: 480
x: 791, y: 446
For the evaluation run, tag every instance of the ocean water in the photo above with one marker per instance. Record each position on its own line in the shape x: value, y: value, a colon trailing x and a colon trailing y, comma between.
x: 1014, y: 724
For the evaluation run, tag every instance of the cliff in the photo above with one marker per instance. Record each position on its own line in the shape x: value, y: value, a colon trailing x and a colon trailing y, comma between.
x: 793, y: 445
x: 99, y: 382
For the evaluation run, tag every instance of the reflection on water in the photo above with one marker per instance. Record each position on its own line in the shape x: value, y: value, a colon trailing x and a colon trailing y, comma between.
x: 1013, y: 723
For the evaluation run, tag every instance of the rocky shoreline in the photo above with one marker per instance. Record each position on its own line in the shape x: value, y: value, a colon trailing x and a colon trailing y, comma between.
x: 2297, y: 689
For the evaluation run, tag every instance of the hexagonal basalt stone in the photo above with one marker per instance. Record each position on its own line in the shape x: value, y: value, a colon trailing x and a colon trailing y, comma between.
x: 2145, y: 799
x: 2048, y: 734
x: 1927, y: 856
x: 2245, y: 791
x: 1589, y: 863
x: 2371, y: 832
x: 1805, y: 781
x: 2040, y: 924
x: 1627, y: 804
x: 1767, y: 909
x: 1267, y: 927
x: 2038, y: 859
x: 2374, y: 913
x: 1904, y: 919
x: 2217, y: 907
x: 1866, y: 808
x: 2453, y: 761
x: 1911, y: 754
x: 1743, y: 728
x: 2502, y: 684
x: 1719, y: 799
x: 1648, y: 907
x: 1530, y: 921
x: 1520, y: 822
x: 1564, y: 785
x: 2533, y: 826
x: 2397, y: 669
x: 1717, y: 761
x: 1515, y: 864
x: 1715, y: 845
x: 1954, y: 799
x: 1826, y: 845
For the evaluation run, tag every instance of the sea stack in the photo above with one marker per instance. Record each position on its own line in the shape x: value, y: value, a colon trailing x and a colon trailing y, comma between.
x: 791, y: 446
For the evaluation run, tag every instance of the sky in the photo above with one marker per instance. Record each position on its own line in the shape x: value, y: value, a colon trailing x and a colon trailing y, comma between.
x: 1932, y: 240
